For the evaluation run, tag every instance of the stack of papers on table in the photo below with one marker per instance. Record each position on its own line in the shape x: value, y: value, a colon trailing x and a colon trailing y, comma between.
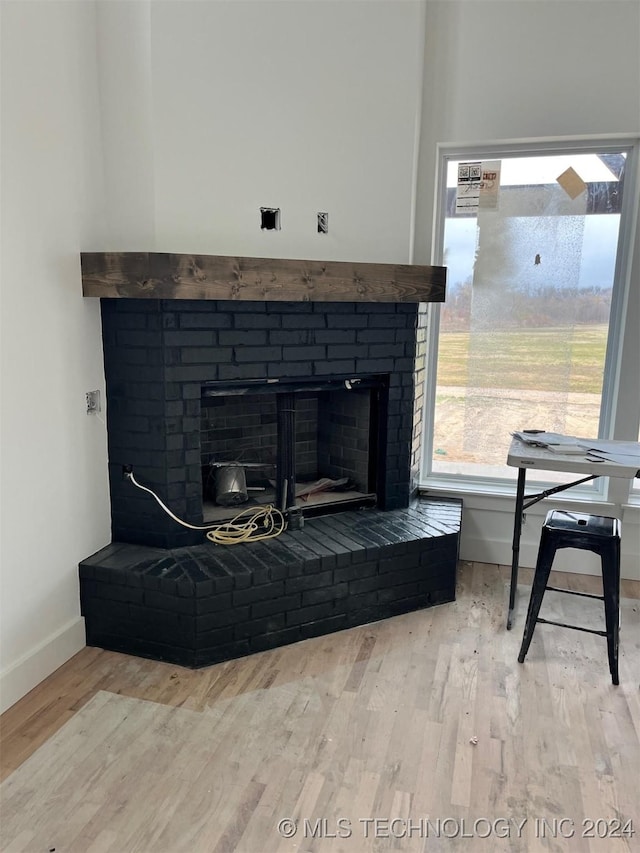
x: 539, y: 438
x: 620, y: 452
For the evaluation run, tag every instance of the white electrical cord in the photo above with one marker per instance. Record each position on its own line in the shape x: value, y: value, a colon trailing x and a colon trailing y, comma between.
x: 263, y: 522
x: 270, y: 519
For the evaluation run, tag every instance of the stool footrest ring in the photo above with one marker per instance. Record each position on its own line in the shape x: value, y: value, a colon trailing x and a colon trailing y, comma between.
x: 575, y: 592
x: 573, y: 627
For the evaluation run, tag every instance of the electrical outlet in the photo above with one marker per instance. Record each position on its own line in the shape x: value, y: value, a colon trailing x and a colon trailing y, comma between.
x: 93, y: 402
x: 270, y: 218
x: 323, y: 223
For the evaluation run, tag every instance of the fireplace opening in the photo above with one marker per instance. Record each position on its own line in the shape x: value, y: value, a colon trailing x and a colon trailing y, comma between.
x: 315, y: 446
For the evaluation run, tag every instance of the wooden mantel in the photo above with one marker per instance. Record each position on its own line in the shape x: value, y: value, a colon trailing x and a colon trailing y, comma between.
x: 156, y: 275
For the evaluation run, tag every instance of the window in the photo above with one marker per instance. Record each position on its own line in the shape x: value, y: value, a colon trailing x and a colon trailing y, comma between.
x: 537, y: 244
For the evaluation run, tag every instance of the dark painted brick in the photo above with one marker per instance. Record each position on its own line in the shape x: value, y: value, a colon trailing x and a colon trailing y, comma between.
x: 190, y: 338
x: 357, y: 551
x: 192, y: 372
x: 242, y: 337
x: 215, y: 637
x: 346, y: 321
x: 362, y: 601
x: 257, y: 321
x: 355, y: 572
x: 347, y: 351
x: 135, y: 356
x: 395, y: 351
x: 144, y: 648
x: 255, y: 354
x: 316, y: 546
x: 113, y: 592
x: 367, y: 584
x: 376, y: 307
x: 393, y: 593
x: 324, y: 626
x: 335, y: 307
x: 342, y: 366
x: 132, y: 321
x: 267, y: 574
x: 292, y: 336
x: 229, y: 372
x: 374, y: 365
x: 259, y: 593
x: 387, y: 321
x: 205, y: 321
x: 174, y: 604
x: 304, y: 353
x: 420, y: 572
x: 290, y: 369
x: 275, y: 639
x: 310, y: 321
x: 208, y: 602
x: 275, y: 605
x: 305, y: 582
x: 329, y: 593
x: 398, y: 564
x: 136, y: 338
x: 206, y: 355
x: 227, y: 651
x: 335, y: 336
x: 310, y: 614
x: 274, y: 622
x: 236, y: 306
x: 405, y: 605
x: 221, y: 618
x: 377, y: 336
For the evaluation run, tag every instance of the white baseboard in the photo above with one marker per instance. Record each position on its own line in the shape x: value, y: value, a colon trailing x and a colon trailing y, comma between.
x: 27, y: 672
x: 479, y: 550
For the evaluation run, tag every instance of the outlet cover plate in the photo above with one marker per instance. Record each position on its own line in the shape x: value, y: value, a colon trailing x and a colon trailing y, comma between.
x: 93, y: 402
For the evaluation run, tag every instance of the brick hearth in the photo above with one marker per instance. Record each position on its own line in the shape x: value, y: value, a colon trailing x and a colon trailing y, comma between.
x: 198, y: 605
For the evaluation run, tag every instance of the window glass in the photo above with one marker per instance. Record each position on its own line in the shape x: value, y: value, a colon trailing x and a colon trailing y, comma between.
x: 530, y: 243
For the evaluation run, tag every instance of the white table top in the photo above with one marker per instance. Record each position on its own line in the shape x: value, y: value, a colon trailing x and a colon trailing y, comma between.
x: 522, y: 455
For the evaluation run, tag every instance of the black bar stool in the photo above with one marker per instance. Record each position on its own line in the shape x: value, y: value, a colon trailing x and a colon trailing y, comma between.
x: 591, y: 533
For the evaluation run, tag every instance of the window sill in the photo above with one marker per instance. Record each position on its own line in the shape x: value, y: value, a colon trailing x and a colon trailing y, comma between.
x: 506, y: 489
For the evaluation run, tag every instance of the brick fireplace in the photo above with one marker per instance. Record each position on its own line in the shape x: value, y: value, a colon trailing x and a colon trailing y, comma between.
x: 162, y: 355
x: 175, y: 370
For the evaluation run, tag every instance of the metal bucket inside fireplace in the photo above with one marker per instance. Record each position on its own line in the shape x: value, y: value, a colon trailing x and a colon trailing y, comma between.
x: 231, y: 485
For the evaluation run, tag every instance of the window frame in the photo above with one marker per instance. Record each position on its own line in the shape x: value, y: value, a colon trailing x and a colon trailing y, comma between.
x: 598, y: 490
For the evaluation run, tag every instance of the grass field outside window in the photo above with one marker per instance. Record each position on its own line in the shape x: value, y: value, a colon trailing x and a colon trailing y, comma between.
x: 491, y: 383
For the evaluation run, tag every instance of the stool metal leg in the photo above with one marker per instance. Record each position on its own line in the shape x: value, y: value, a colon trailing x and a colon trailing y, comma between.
x: 611, y: 589
x: 546, y: 554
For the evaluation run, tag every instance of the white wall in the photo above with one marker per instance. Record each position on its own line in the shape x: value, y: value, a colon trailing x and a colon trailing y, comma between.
x: 498, y: 71
x: 54, y: 508
x: 306, y: 106
x: 126, y: 104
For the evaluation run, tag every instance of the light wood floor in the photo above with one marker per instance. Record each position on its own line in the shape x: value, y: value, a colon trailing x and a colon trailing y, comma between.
x: 425, y: 719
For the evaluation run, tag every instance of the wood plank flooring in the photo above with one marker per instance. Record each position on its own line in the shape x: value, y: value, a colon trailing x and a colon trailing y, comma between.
x: 418, y: 733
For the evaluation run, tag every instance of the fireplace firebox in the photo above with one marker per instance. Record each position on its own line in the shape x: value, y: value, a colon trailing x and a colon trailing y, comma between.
x: 311, y: 445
